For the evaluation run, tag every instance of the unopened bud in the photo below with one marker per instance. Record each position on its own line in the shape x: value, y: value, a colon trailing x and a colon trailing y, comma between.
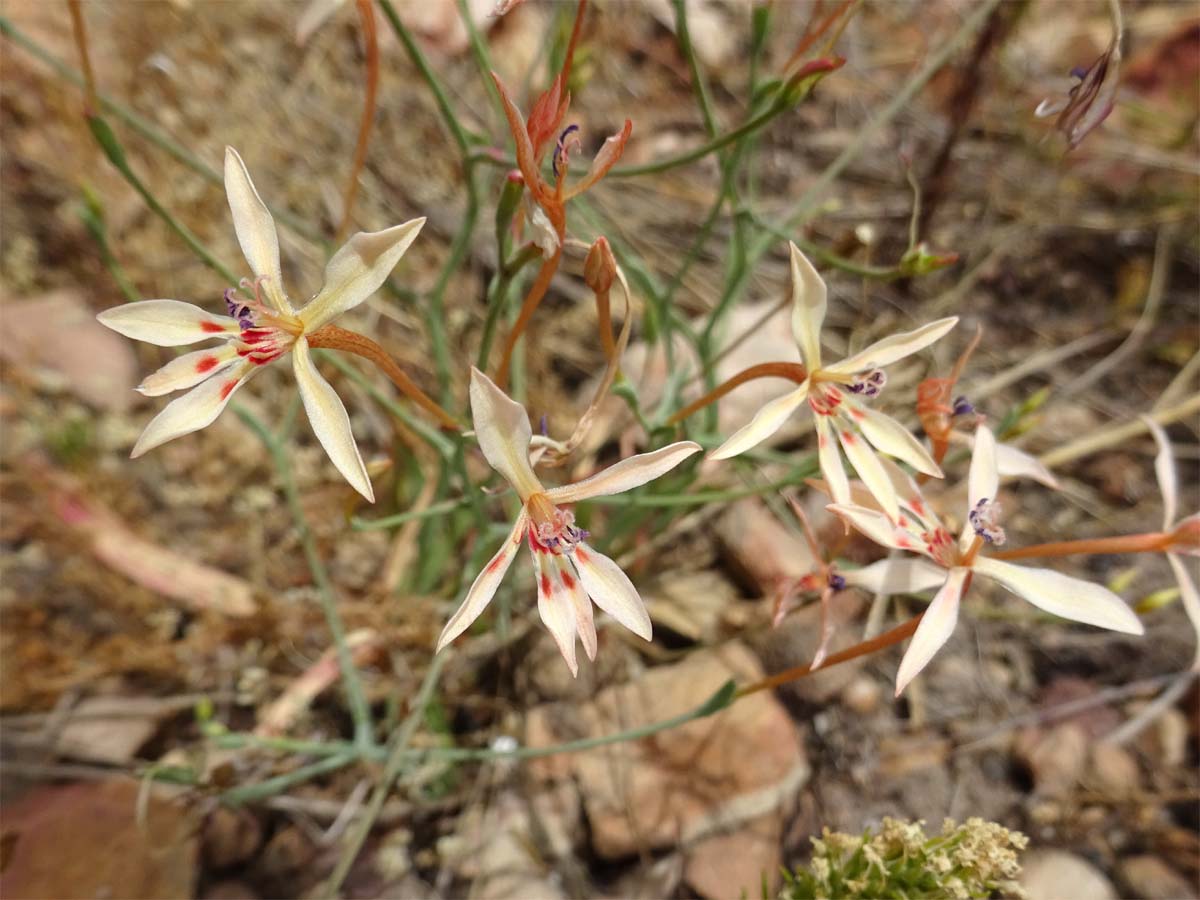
x: 600, y: 267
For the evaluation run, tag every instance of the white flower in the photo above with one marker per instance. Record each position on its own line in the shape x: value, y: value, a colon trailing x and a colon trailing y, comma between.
x: 1186, y: 533
x: 952, y: 564
x: 261, y: 330
x: 833, y: 395
x: 568, y: 570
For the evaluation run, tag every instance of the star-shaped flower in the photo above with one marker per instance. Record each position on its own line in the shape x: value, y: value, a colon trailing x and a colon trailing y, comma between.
x: 259, y: 331
x: 953, y: 564
x: 568, y: 570
x: 1185, y: 534
x: 833, y: 393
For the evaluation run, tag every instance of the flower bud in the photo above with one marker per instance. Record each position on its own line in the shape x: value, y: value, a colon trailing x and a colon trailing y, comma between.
x: 600, y: 268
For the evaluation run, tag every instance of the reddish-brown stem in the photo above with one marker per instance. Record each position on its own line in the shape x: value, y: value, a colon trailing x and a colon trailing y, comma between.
x: 85, y: 59
x: 814, y: 33
x: 334, y: 338
x: 605, y: 316
x: 569, y: 58
x: 1151, y: 542
x: 791, y: 371
x: 895, y: 636
x: 367, y: 15
x: 538, y: 290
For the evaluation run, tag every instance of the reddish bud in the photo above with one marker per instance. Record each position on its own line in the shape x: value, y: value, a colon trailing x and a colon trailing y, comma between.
x: 600, y: 267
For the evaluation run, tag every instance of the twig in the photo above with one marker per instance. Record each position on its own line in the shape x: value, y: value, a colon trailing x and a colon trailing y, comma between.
x: 1115, y: 434
x: 1125, y: 733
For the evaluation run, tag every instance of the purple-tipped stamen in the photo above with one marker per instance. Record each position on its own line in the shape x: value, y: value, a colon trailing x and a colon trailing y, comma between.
x: 837, y: 582
x: 983, y: 519
x: 963, y: 407
x: 560, y: 149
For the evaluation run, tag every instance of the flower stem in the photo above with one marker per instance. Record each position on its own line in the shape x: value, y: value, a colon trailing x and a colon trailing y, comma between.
x: 536, y: 292
x: 79, y: 29
x: 1151, y: 542
x: 791, y: 371
x: 335, y: 338
x: 371, y: 88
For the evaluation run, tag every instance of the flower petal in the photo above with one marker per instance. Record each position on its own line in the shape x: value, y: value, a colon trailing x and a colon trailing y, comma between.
x: 1014, y: 463
x: 606, y: 157
x: 1191, y: 600
x: 765, y: 423
x: 870, y: 472
x: 894, y: 347
x: 556, y: 609
x: 567, y: 586
x: 935, y: 629
x: 890, y: 437
x: 830, y: 460
x: 255, y: 229
x: 357, y: 270
x: 1164, y: 469
x: 983, y: 480
x: 502, y: 429
x: 329, y: 420
x: 484, y: 587
x: 188, y: 370
x: 167, y: 323
x: 878, y: 527
x: 520, y: 134
x: 1061, y: 595
x: 808, y: 308
x: 611, y: 589
x: 899, y: 575
x: 626, y: 474
x: 194, y: 410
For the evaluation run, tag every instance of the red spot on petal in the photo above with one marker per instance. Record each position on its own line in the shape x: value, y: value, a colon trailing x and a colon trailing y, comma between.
x: 903, y: 544
x: 902, y: 522
x: 822, y: 442
x: 546, y: 585
x: 918, y: 506
x: 848, y: 437
x: 206, y: 364
x: 227, y: 388
x: 581, y: 554
x: 212, y: 327
x: 857, y: 414
x: 496, y: 563
x: 567, y: 580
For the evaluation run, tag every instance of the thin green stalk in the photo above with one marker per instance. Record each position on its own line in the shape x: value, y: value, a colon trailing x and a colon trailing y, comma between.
x: 699, y: 85
x: 360, y: 710
x: 699, y: 498
x: 436, y: 509
x: 112, y: 148
x: 280, y: 783
x: 435, y: 313
x: 498, y: 298
x: 480, y: 52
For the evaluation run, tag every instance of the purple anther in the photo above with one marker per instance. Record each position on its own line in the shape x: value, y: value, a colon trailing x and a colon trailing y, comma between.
x: 1079, y: 72
x: 837, y: 582
x: 868, y: 384
x: 560, y: 149
x: 239, y: 310
x: 963, y: 407
x: 983, y: 520
x: 544, y: 425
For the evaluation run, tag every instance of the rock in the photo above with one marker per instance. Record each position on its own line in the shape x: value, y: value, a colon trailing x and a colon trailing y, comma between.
x: 231, y: 836
x: 1112, y: 770
x: 1056, y: 874
x: 761, y: 549
x: 57, y: 333
x: 795, y: 641
x: 111, y: 729
x: 229, y: 890
x: 733, y: 865
x: 1055, y: 757
x: 1150, y: 878
x: 690, y: 604
x: 685, y: 783
x: 862, y: 695
x: 86, y: 840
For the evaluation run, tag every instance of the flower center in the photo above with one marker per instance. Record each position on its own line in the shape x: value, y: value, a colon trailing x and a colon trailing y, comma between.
x: 266, y: 334
x: 940, y: 546
x: 868, y: 384
x: 552, y: 530
x: 825, y: 398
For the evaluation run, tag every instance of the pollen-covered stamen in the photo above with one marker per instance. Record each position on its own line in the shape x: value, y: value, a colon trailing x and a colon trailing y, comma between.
x: 567, y: 141
x: 836, y: 581
x: 983, y: 520
x: 868, y: 384
x: 553, y: 530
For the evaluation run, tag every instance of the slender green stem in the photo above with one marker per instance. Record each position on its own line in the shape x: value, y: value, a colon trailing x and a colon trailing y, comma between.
x: 436, y: 509
x: 435, y: 312
x: 480, y: 52
x: 498, y: 298
x: 270, y: 787
x: 360, y: 711
x: 699, y: 85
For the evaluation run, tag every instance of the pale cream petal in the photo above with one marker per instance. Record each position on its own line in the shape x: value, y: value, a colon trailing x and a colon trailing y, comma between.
x: 1191, y: 600
x: 542, y: 231
x: 1061, y: 595
x: 357, y: 270
x: 255, y: 229
x: 1164, y: 469
x: 901, y: 575
x: 556, y: 609
x: 329, y: 420
x: 167, y: 323
x: 909, y: 496
x: 870, y: 472
x: 503, y: 432
x: 189, y: 370
x: 890, y: 437
x: 765, y: 423
x: 983, y: 480
x: 878, y: 527
x: 894, y: 347
x: 626, y: 474
x: 194, y: 410
x: 611, y: 589
x: 830, y: 460
x: 568, y: 587
x: 485, y: 585
x: 808, y: 308
x: 935, y: 629
x: 1014, y: 463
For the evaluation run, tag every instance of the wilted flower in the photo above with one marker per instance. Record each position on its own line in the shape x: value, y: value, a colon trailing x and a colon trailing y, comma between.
x: 568, y: 570
x: 835, y: 394
x: 1091, y: 99
x: 953, y: 564
x: 259, y: 330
